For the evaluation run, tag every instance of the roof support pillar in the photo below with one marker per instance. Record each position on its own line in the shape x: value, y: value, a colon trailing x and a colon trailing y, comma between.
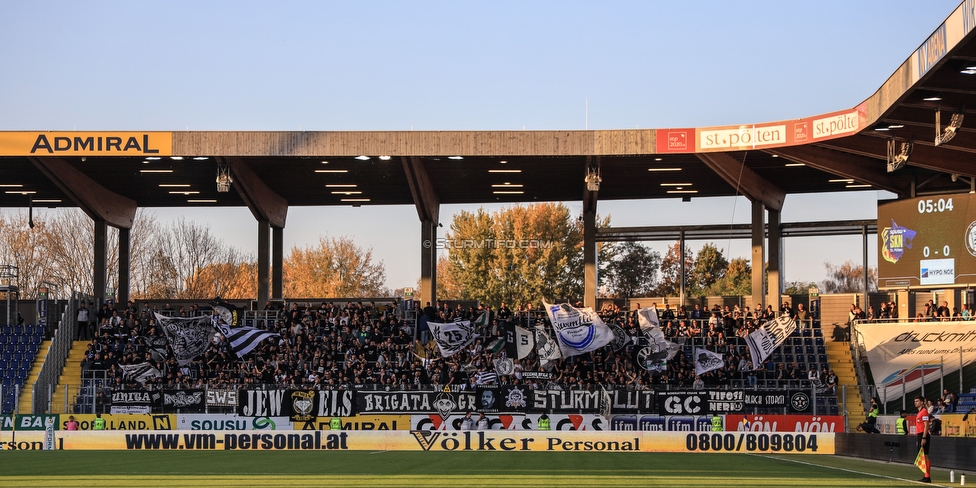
x: 775, y: 267
x: 124, y: 266
x: 277, y: 262
x: 591, y: 268
x: 94, y: 199
x: 99, y: 264
x: 264, y: 261
x: 758, y: 256
x: 589, y: 258
x: 746, y: 181
x: 428, y: 262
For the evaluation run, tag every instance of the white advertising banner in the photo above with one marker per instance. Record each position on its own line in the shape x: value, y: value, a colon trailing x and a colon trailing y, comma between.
x: 901, y: 355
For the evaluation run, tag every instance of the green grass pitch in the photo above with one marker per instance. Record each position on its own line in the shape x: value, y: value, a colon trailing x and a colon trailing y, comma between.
x: 403, y: 469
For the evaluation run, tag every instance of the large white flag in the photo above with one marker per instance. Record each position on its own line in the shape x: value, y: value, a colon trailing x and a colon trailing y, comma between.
x: 767, y: 338
x: 706, y: 360
x: 658, y: 350
x: 188, y: 337
x: 647, y: 317
x: 453, y: 336
x: 524, y: 341
x: 578, y: 330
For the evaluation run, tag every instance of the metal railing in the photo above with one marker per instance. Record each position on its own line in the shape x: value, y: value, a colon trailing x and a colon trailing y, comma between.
x: 57, y: 355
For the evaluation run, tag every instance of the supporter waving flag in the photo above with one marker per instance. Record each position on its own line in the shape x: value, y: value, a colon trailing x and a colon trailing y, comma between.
x: 453, y: 336
x: 647, y: 318
x: 139, y: 373
x: 242, y: 340
x: 188, y: 337
x: 547, y: 348
x: 706, y: 361
x: 767, y: 338
x: 578, y: 330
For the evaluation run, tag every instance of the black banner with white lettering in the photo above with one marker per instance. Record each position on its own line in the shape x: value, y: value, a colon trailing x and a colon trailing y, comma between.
x: 632, y: 401
x: 502, y: 399
x: 184, y: 401
x: 297, y: 404
x: 135, y: 400
x: 565, y: 401
x: 442, y: 403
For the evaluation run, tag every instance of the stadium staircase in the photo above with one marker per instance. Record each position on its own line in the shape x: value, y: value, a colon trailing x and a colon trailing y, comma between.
x: 70, y: 376
x: 25, y: 403
x: 841, y: 361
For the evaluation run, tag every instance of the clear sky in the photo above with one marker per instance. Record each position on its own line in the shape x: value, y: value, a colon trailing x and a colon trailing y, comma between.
x: 492, y: 65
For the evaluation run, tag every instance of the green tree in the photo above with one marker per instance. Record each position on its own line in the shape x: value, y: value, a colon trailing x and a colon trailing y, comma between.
x: 517, y: 254
x: 797, y: 287
x: 634, y: 272
x: 671, y: 270
x: 735, y: 281
x: 710, y: 267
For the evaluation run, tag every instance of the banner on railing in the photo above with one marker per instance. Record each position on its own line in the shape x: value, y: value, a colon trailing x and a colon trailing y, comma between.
x: 903, y: 355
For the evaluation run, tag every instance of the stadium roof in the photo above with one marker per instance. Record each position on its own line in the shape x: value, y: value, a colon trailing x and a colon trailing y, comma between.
x: 909, y: 137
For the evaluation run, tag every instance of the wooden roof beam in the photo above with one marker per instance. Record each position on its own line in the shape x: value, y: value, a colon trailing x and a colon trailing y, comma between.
x: 748, y: 182
x: 94, y: 199
x: 263, y: 202
x: 424, y: 196
x: 860, y: 168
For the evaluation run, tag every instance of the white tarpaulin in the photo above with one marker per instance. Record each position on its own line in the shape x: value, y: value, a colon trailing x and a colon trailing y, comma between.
x: 902, y: 354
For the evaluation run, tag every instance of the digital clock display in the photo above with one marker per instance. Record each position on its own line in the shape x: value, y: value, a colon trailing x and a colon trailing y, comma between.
x: 927, y: 242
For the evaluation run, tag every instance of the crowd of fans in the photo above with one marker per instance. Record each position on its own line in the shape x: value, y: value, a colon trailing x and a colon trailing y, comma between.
x: 356, y: 345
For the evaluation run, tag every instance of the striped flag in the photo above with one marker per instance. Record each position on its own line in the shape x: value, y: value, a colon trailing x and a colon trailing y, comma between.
x: 139, y: 373
x: 242, y: 340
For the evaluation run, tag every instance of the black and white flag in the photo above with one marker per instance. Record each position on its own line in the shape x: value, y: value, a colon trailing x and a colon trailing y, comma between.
x: 453, y: 336
x: 504, y: 366
x: 545, y: 346
x: 654, y: 351
x: 706, y: 360
x: 524, y: 341
x: 767, y: 338
x: 242, y: 340
x: 229, y: 313
x: 188, y: 337
x: 139, y: 373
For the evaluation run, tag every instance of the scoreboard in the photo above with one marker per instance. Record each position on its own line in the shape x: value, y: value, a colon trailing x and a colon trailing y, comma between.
x: 927, y: 242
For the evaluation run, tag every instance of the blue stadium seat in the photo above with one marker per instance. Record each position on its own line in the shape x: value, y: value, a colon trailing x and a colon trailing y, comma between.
x: 822, y: 359
x: 833, y: 410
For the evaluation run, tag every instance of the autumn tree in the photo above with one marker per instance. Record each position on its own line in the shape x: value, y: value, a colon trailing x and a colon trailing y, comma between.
x: 634, y: 271
x: 337, y: 267
x: 517, y: 254
x: 20, y: 246
x: 848, y: 278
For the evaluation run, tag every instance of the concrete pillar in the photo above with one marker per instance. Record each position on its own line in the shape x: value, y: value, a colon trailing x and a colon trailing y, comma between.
x: 589, y: 259
x: 775, y: 267
x: 758, y: 255
x: 125, y: 260
x: 100, y: 264
x: 428, y: 262
x: 264, y: 262
x: 864, y: 262
x: 681, y: 277
x: 277, y: 262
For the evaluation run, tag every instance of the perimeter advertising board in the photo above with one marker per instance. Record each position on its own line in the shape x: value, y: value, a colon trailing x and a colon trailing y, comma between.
x: 903, y: 355
x: 927, y: 242
x: 399, y: 440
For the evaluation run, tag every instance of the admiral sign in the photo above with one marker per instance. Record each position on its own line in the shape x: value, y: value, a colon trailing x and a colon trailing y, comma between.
x: 86, y: 143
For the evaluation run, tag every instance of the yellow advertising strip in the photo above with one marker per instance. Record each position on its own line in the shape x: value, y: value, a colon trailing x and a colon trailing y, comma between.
x: 135, y: 144
x: 358, y: 422
x: 398, y: 440
x: 124, y: 421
